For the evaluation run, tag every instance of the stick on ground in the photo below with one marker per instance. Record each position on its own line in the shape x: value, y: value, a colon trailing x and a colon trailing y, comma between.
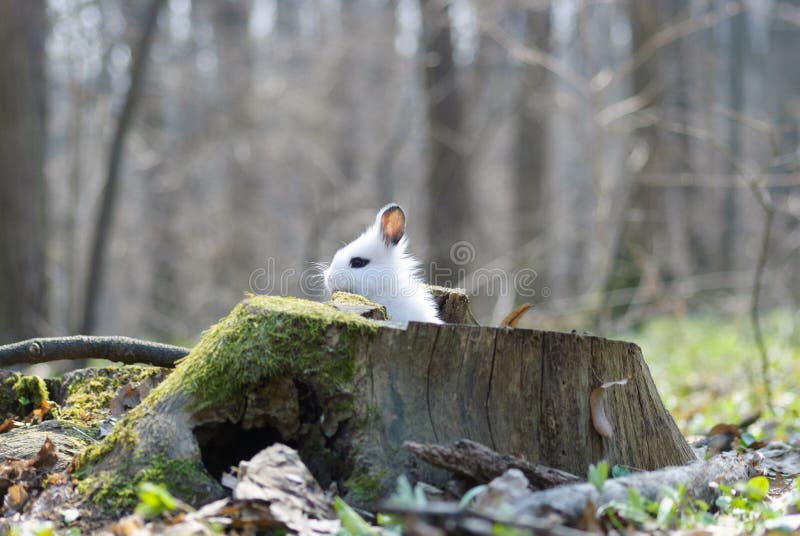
x: 481, y: 464
x: 572, y: 500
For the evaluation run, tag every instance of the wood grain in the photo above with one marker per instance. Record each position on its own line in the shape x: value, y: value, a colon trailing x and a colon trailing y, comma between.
x: 520, y: 392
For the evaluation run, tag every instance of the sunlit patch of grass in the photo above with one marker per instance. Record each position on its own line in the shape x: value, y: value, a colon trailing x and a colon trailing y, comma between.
x: 708, y: 369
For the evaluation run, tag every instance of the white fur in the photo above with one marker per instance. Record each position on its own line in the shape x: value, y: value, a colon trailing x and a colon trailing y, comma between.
x: 392, y: 277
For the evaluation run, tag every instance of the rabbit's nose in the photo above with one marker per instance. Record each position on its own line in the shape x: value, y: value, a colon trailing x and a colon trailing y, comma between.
x: 333, y: 281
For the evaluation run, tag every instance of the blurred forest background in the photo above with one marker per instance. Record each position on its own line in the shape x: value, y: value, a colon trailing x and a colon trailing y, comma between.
x: 641, y: 156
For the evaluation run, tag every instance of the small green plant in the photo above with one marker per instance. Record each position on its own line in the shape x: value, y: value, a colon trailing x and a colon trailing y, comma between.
x: 406, y: 496
x: 43, y: 529
x: 504, y: 530
x: 674, y: 510
x: 598, y: 474
x: 794, y: 499
x: 352, y: 523
x: 744, y: 501
x: 619, y: 471
x: 154, y: 500
x: 390, y: 523
x: 470, y: 495
x: 747, y: 439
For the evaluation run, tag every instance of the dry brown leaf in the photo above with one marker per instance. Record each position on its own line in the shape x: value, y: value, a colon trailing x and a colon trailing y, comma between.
x: 128, y: 526
x: 7, y: 425
x: 601, y: 423
x: 28, y: 471
x: 41, y: 412
x: 276, y: 490
x: 47, y: 457
x: 56, y: 479
x: 16, y: 497
x: 232, y: 510
x: 781, y: 458
x: 724, y: 428
x: 127, y: 397
x: 180, y: 517
x: 512, y: 319
x: 721, y: 438
x: 588, y: 521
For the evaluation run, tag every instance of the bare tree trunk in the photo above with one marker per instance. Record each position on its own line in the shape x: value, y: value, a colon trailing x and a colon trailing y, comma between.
x: 448, y: 187
x: 530, y: 152
x: 234, y: 50
x: 105, y: 217
x: 22, y: 185
x: 402, y: 119
x: 731, y: 234
x: 636, y: 238
x: 677, y: 199
x: 344, y: 98
x: 287, y: 16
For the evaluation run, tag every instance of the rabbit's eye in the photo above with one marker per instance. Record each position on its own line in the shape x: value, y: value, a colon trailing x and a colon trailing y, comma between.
x: 358, y: 262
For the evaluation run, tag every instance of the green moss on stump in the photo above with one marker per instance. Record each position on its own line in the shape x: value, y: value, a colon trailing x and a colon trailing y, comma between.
x: 262, y: 339
x: 120, y: 436
x: 116, y: 492
x: 8, y: 397
x: 88, y: 397
x: 367, y: 486
x: 30, y: 391
x: 267, y: 337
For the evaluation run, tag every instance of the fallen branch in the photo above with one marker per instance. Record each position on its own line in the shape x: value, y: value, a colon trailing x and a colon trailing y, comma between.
x: 572, y: 500
x: 506, y: 500
x: 120, y: 349
x: 454, y: 515
x: 481, y: 464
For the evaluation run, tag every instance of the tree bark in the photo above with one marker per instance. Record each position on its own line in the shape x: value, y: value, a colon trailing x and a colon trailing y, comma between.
x: 22, y: 184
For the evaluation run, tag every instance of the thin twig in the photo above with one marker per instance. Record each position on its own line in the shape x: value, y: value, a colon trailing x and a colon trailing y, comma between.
x: 755, y: 320
x: 583, y: 86
x: 535, y: 56
x: 668, y: 35
x: 634, y: 103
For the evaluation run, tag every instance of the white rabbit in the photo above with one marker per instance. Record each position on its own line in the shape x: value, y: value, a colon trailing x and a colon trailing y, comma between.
x: 376, y: 266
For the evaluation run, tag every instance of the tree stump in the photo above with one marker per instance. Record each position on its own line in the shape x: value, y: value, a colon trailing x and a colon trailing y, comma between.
x: 347, y: 392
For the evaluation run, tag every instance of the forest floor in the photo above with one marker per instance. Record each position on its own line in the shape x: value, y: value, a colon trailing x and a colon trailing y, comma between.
x: 708, y: 371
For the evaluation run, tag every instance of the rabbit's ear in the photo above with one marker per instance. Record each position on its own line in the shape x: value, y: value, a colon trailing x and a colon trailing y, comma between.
x: 392, y: 224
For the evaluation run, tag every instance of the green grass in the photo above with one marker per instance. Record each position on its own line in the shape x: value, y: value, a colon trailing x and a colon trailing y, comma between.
x: 708, y: 370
